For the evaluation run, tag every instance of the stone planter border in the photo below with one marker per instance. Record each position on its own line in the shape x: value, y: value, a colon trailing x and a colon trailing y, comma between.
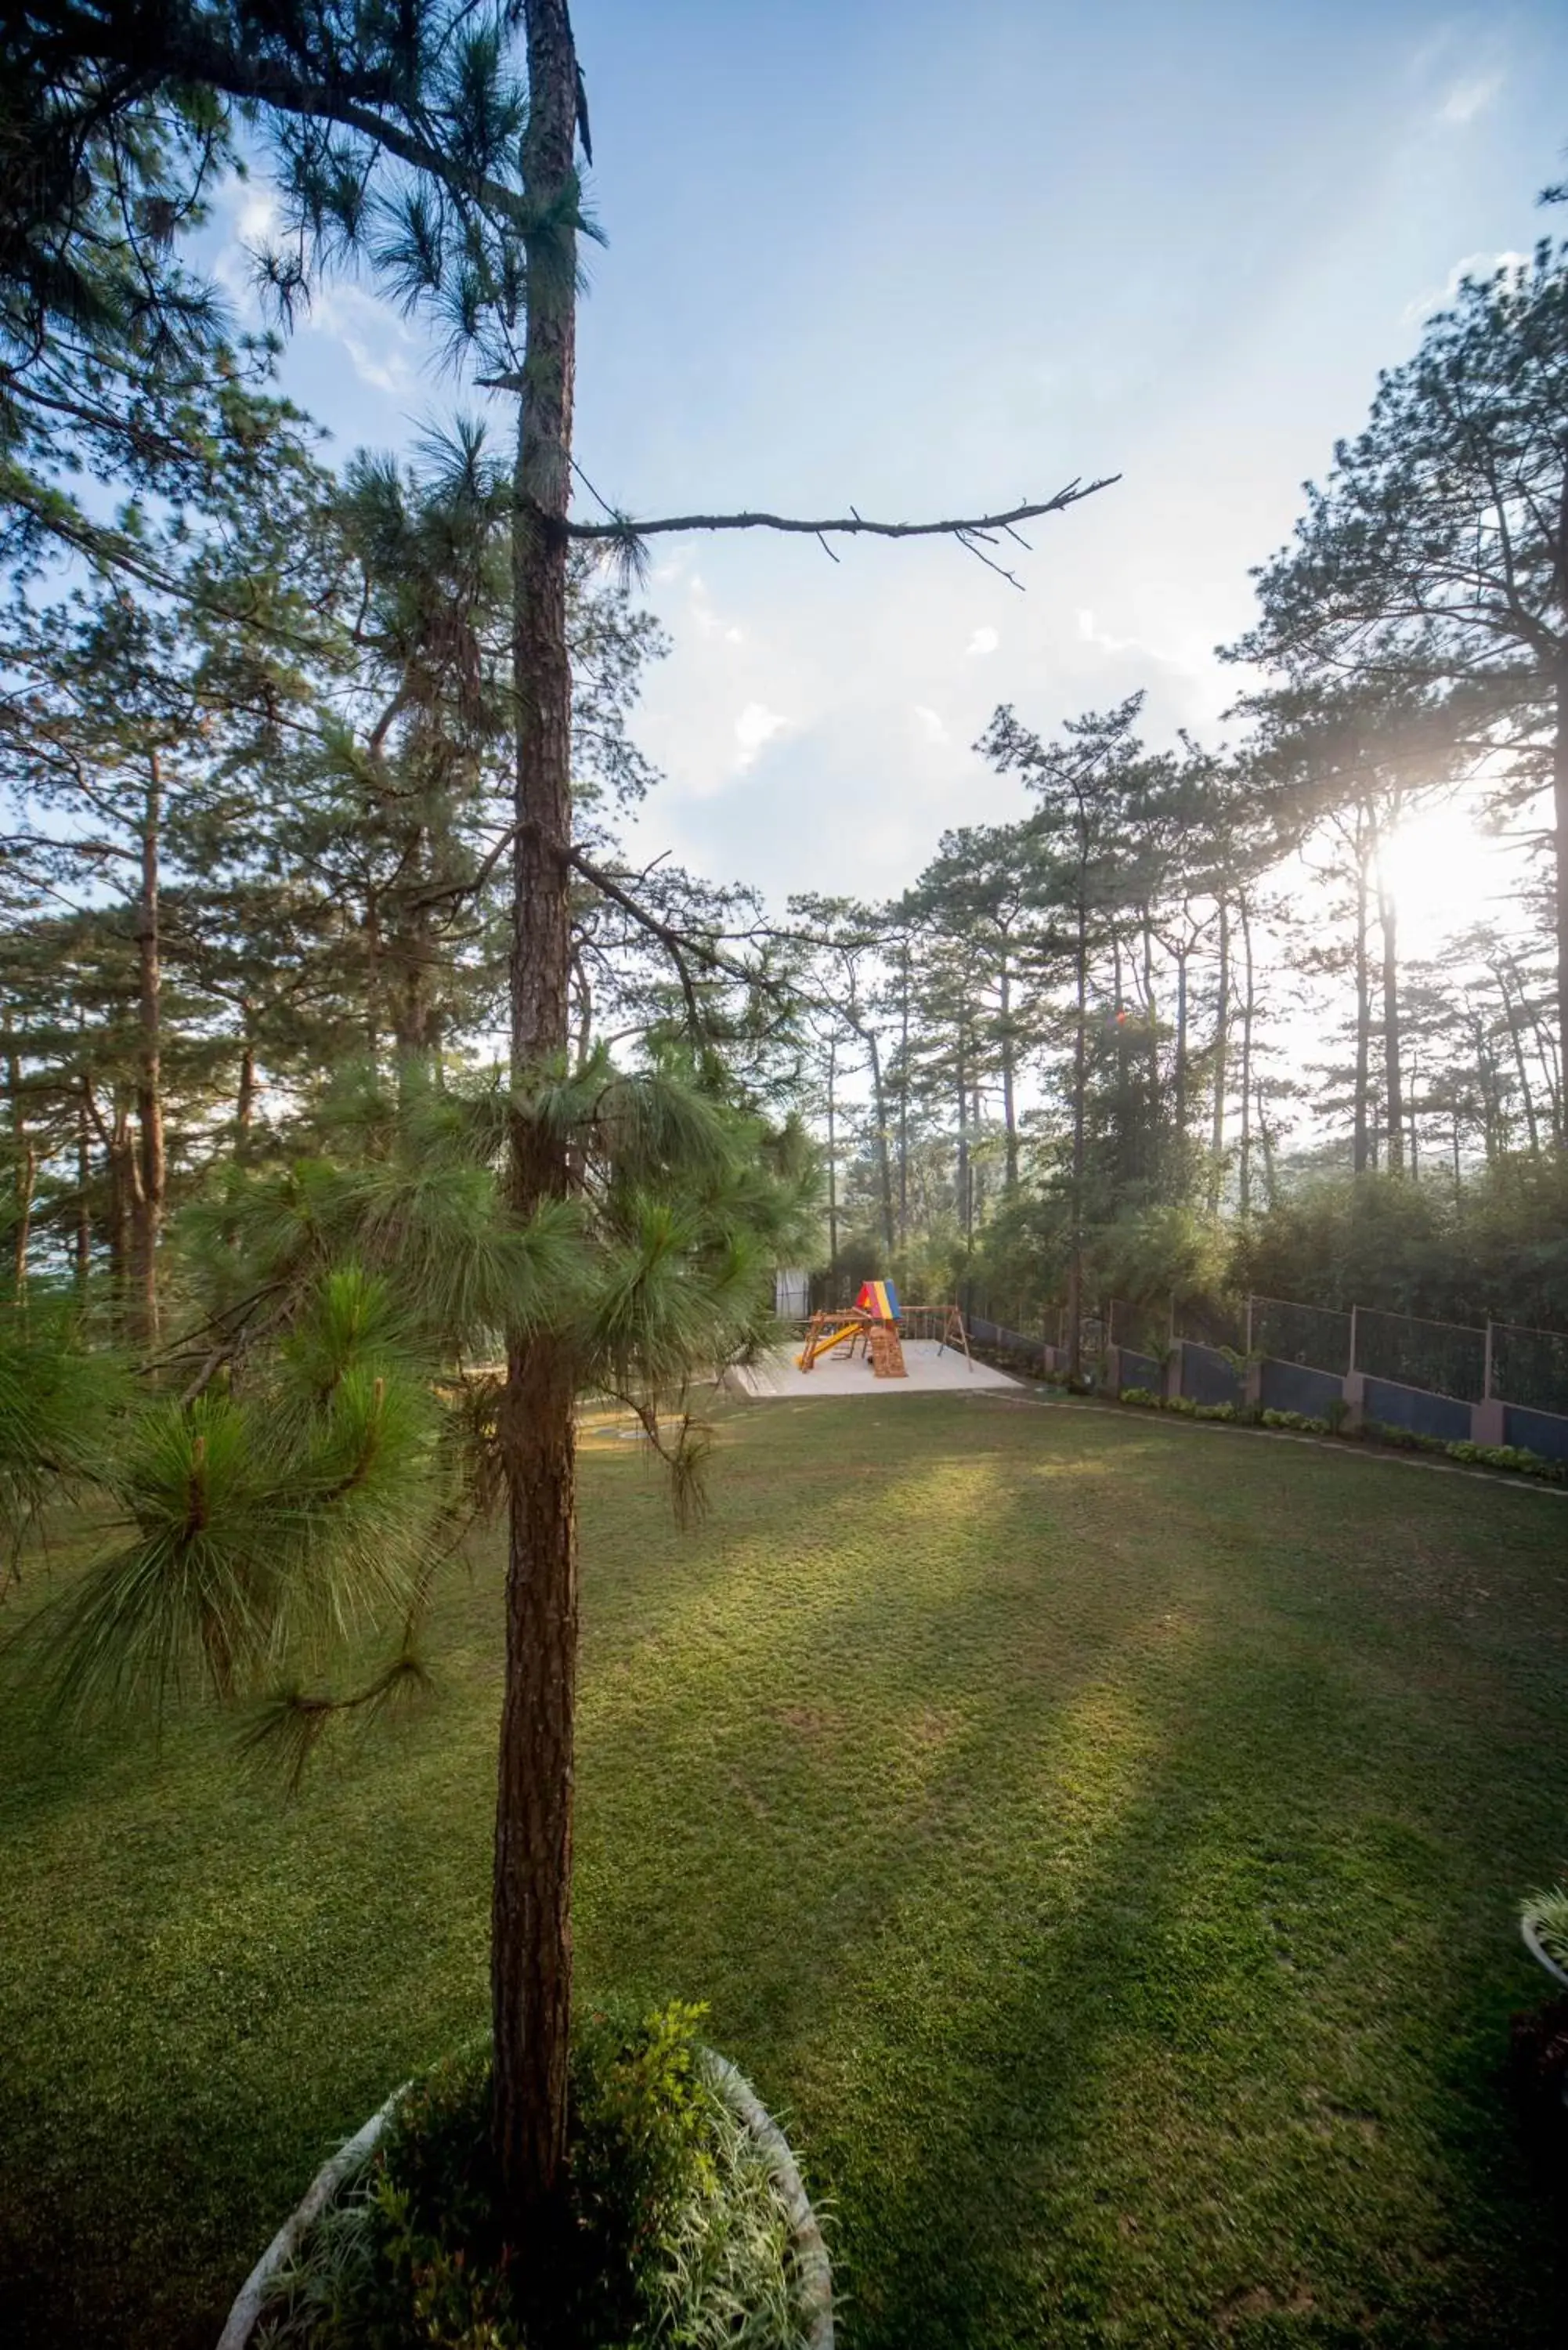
x: 815, y: 2274
x: 1542, y: 1958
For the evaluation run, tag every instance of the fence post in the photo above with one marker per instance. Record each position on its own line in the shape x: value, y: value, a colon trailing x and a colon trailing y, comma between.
x: 1488, y: 1419
x: 1353, y: 1389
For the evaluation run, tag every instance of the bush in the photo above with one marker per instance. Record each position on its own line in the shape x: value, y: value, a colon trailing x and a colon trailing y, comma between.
x: 1138, y: 1395
x: 1523, y: 1462
x: 1305, y: 1422
x: 675, y: 2231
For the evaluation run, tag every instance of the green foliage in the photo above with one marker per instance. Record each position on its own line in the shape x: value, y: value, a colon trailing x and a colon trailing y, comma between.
x: 62, y: 1408
x: 255, y: 1530
x: 1516, y: 1457
x: 1139, y: 1395
x: 1306, y: 1423
x: 1548, y: 1913
x: 675, y: 2234
x: 335, y: 1443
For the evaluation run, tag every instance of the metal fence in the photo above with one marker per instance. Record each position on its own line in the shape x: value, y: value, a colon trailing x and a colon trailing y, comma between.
x: 1503, y: 1362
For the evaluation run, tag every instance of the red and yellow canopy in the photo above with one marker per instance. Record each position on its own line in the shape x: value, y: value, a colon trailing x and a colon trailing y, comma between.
x: 880, y: 1299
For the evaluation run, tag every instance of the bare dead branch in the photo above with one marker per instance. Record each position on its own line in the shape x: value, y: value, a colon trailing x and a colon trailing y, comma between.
x: 622, y: 526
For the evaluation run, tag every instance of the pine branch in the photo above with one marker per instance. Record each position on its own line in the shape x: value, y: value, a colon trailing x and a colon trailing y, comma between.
x: 622, y: 530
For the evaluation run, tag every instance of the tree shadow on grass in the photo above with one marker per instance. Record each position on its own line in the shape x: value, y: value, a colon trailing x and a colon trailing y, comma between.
x: 1092, y: 2049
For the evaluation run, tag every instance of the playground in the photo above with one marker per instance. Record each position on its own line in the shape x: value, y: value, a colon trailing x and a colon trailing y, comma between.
x: 873, y: 1347
x: 929, y: 1367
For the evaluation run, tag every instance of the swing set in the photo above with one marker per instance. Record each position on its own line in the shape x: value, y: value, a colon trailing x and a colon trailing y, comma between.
x: 871, y: 1326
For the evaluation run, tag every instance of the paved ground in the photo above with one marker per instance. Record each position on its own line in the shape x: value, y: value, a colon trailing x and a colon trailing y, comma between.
x: 928, y: 1366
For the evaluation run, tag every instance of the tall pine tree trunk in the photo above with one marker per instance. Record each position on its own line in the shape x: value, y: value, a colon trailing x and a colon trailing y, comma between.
x: 965, y: 1201
x: 904, y: 1098
x: 245, y: 1098
x: 832, y: 1160
x: 531, y: 1924
x: 1360, y: 1145
x: 147, y: 1222
x: 25, y: 1168
x: 1560, y: 778
x: 867, y: 1037
x: 1009, y: 1082
x: 1244, y: 1168
x: 1526, y: 1095
x: 1180, y: 1057
x: 1222, y: 1053
x: 1393, y: 1073
x: 1080, y: 1088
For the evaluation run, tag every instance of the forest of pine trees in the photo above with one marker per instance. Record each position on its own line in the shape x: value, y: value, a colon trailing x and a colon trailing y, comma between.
x: 1161, y: 1032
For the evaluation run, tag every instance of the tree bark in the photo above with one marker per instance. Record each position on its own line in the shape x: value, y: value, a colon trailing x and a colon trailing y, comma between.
x: 1560, y: 778
x: 884, y: 1167
x: 1360, y: 1152
x: 1244, y: 1169
x: 244, y: 1100
x: 1526, y: 1095
x: 1221, y: 1049
x: 1080, y: 1088
x: 23, y: 1172
x: 832, y: 1160
x: 904, y: 1096
x: 1008, y: 1079
x: 147, y: 1217
x: 531, y: 1926
x: 1392, y: 1074
x: 83, y: 1200
x: 1180, y: 1056
x: 965, y: 1200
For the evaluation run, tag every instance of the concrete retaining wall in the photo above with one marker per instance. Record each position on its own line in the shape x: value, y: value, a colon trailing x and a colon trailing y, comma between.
x: 1545, y: 1432
x: 1291, y: 1386
x: 1418, y: 1409
x: 1207, y: 1376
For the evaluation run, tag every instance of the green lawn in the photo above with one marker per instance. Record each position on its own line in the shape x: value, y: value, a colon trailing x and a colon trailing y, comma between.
x: 1099, y: 1839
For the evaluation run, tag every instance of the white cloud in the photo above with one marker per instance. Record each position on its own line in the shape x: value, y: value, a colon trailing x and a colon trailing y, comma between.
x: 1468, y: 98
x: 1474, y: 264
x: 382, y: 349
x: 984, y: 640
x: 705, y: 619
x: 756, y: 725
x: 930, y: 725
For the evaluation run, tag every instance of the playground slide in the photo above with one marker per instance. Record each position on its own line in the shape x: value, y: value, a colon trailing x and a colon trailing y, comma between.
x: 824, y: 1342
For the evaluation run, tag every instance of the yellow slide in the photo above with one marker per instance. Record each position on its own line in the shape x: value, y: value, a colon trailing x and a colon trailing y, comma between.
x: 823, y: 1342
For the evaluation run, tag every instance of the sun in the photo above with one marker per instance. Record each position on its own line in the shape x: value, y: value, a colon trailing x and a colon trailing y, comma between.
x: 1445, y: 874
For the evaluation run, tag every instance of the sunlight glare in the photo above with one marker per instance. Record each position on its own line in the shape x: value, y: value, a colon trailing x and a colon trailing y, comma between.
x: 1446, y: 874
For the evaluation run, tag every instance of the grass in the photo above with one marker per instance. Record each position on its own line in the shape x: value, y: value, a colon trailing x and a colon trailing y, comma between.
x: 1100, y: 1841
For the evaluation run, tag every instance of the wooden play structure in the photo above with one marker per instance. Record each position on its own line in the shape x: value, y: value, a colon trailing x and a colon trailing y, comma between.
x: 875, y: 1328
x: 870, y: 1325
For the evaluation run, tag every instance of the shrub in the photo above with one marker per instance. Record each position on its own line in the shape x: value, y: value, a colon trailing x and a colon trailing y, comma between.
x: 1548, y: 1912
x: 1523, y: 1462
x: 1139, y: 1395
x: 1305, y: 1422
x: 676, y: 2233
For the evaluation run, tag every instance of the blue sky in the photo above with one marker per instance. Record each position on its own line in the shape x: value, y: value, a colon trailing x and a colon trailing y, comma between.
x: 927, y: 260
